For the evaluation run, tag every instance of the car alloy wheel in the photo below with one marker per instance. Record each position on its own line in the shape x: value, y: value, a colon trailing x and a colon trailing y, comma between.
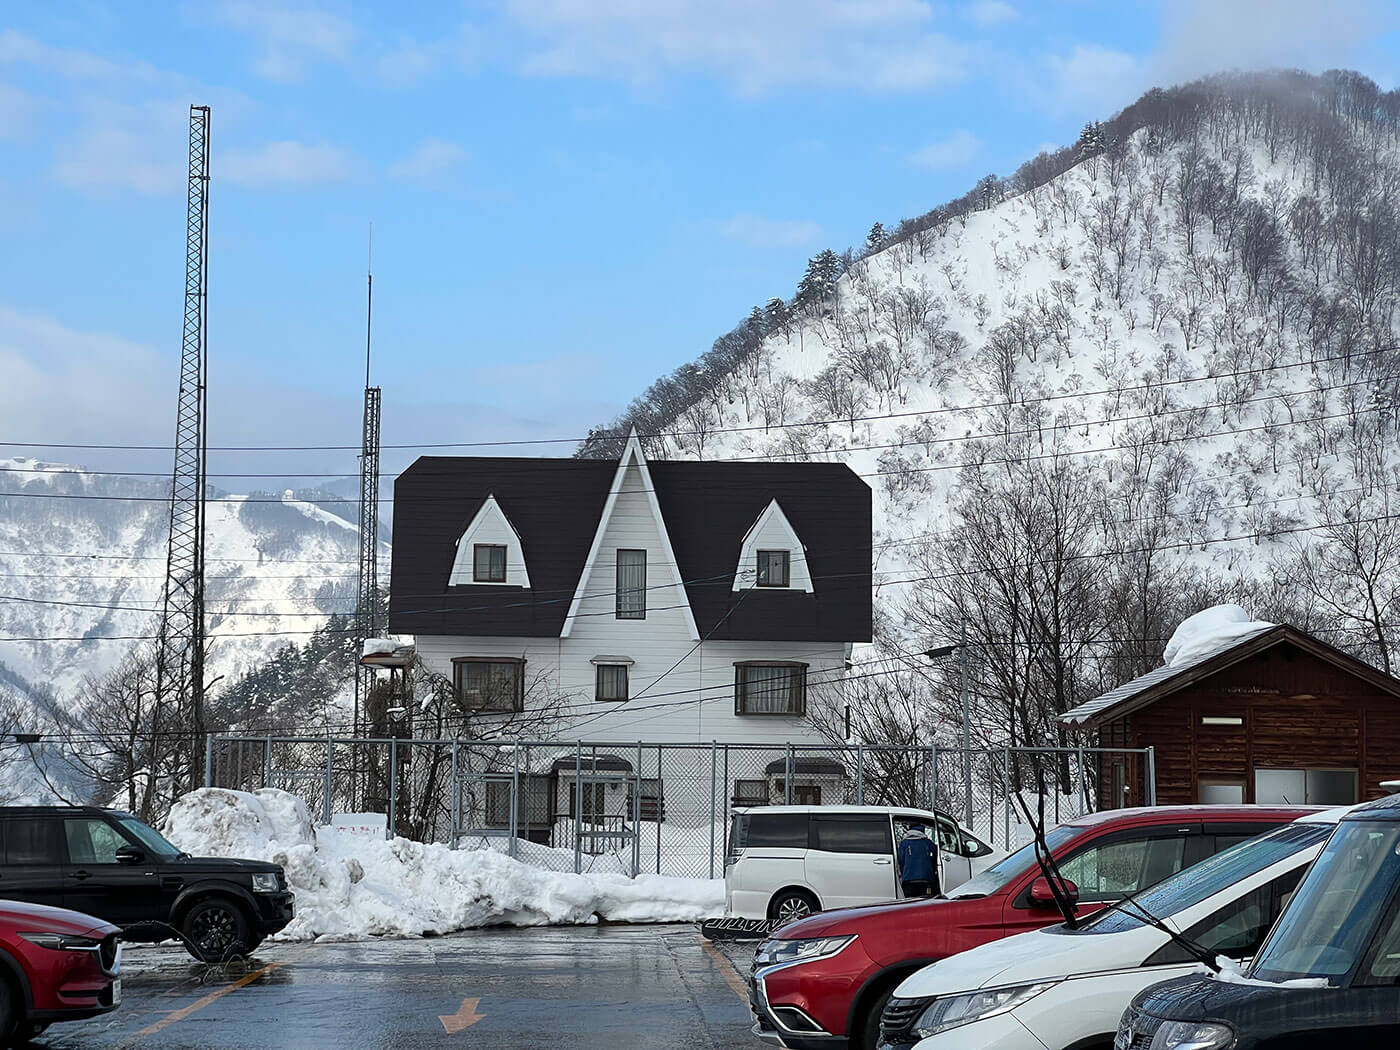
x: 792, y: 906
x: 215, y: 928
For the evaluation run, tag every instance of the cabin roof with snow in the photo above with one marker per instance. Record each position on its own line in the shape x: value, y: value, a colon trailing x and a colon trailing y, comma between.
x: 1164, y: 681
x: 554, y: 507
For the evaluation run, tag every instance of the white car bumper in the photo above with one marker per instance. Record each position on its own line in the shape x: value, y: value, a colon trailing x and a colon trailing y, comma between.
x: 995, y: 1033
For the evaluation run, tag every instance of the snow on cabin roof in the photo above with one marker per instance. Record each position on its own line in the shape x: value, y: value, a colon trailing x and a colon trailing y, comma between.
x: 1088, y: 710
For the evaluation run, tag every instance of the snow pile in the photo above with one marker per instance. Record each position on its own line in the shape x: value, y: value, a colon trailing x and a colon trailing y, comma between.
x: 1209, y: 631
x: 378, y: 647
x: 1231, y: 973
x: 349, y: 886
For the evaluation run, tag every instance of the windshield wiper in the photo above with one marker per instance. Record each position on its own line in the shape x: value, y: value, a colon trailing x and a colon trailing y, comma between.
x: 1186, y: 944
x: 1046, y: 860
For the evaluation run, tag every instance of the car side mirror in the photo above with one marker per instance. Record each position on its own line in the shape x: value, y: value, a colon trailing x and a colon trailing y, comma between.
x: 129, y: 855
x: 1043, y: 897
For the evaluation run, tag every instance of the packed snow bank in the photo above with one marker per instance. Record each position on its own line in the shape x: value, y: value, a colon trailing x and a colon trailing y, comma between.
x: 349, y: 885
x: 1209, y: 631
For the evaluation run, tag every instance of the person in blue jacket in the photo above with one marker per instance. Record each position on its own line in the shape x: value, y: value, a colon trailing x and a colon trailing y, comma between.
x: 918, y: 864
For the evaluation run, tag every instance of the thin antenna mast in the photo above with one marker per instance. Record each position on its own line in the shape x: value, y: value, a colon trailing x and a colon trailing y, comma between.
x: 367, y: 598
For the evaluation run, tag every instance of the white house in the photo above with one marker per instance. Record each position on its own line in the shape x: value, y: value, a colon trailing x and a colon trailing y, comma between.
x: 667, y: 602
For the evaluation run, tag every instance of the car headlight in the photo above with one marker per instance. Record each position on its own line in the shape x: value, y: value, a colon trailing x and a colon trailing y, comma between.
x: 1193, y: 1035
x: 775, y: 953
x: 63, y: 942
x: 265, y: 882
x: 950, y: 1011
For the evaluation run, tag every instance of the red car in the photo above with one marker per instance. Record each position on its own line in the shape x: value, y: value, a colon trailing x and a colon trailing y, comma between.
x: 56, y: 965
x: 821, y: 983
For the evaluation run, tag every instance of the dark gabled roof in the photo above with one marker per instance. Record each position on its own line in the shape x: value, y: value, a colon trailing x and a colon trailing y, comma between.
x: 1162, y: 682
x: 556, y: 505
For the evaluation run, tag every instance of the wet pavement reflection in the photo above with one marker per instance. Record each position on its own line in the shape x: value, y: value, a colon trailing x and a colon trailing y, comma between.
x: 613, y: 987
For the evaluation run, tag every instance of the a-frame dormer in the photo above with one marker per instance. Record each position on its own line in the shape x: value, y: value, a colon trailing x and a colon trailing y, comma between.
x: 631, y: 521
x: 489, y: 552
x: 772, y: 555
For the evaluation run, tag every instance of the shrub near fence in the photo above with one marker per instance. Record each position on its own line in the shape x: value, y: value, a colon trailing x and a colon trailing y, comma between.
x: 641, y: 807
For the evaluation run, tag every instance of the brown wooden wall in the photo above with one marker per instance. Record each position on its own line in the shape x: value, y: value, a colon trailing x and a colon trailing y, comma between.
x: 1299, y: 712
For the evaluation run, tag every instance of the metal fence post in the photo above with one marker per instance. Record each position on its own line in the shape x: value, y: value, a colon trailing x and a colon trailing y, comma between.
x: 933, y: 781
x: 637, y: 827
x: 515, y: 804
x: 787, y: 775
x: 1151, y: 776
x: 453, y: 802
x: 327, y: 812
x: 208, y: 760
x: 714, y: 756
x: 860, y: 774
x: 267, y: 763
x: 393, y: 824
x: 658, y: 781
x: 578, y: 807
x: 1083, y: 783
x: 1006, y: 795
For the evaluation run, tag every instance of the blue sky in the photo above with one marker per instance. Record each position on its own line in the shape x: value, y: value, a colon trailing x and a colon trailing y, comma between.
x: 569, y: 197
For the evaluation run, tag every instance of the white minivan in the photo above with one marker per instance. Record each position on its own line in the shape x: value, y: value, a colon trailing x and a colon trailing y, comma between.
x: 785, y: 862
x: 1065, y: 989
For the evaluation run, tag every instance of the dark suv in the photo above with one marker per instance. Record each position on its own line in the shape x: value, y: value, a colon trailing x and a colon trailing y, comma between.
x: 109, y: 864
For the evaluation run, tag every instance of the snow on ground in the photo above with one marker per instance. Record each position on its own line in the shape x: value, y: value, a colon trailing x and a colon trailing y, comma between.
x: 1209, y: 631
x: 350, y: 885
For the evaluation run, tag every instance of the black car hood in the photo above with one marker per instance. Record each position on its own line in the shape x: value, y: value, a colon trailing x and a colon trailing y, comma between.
x: 222, y: 866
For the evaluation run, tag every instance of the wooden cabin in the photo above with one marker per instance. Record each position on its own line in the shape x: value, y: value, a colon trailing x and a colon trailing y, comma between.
x: 1276, y: 717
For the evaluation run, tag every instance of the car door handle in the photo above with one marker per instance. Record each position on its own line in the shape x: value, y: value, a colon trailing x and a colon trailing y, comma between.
x: 883, y: 860
x: 80, y: 874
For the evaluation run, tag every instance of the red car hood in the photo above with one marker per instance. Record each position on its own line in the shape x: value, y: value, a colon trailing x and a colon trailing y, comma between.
x: 890, y: 915
x: 38, y: 918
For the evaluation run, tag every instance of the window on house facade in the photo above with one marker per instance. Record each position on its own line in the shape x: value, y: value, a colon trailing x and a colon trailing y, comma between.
x: 484, y: 684
x: 802, y: 794
x: 770, y: 689
x: 773, y: 569
x: 611, y: 682
x: 488, y: 563
x: 750, y: 793
x: 593, y: 805
x: 653, y: 801
x: 631, y: 585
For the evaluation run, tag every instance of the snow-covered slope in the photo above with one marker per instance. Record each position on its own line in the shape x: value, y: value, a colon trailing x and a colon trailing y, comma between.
x: 82, y: 577
x: 1196, y: 322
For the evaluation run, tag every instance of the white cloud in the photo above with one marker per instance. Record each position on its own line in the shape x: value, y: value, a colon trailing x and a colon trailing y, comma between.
x: 430, y: 160
x: 866, y: 45
x: 290, y: 40
x: 17, y: 112
x: 126, y: 148
x: 287, y: 163
x: 72, y: 64
x: 956, y: 151
x: 759, y: 232
x: 1210, y: 36
x: 991, y: 12
x: 1092, y: 81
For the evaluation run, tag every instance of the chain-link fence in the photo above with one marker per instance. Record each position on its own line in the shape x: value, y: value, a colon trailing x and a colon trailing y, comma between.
x: 665, y: 808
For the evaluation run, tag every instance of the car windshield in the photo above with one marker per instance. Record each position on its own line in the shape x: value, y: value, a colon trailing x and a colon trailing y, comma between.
x: 1329, y: 921
x: 1008, y: 869
x: 1189, y: 887
x: 148, y: 836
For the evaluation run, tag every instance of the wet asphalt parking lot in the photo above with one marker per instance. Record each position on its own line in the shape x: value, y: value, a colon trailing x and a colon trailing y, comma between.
x: 613, y: 987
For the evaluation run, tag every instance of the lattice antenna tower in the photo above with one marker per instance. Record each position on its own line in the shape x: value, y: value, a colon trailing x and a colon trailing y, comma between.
x: 367, y: 604
x: 181, y: 644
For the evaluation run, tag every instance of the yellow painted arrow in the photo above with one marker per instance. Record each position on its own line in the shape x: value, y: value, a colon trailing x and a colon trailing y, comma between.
x: 465, y: 1017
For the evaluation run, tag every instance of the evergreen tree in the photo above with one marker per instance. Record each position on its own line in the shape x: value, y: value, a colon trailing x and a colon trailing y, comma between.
x: 875, y: 239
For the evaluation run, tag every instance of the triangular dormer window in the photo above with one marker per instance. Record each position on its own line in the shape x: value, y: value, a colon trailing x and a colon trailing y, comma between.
x: 771, y: 556
x: 489, y: 552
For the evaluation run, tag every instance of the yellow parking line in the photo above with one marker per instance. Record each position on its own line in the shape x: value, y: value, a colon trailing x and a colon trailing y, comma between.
x: 197, y: 1005
x: 726, y: 970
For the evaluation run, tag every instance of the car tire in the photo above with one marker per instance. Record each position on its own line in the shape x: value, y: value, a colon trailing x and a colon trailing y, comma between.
x: 790, y: 905
x: 868, y: 1035
x: 216, y: 930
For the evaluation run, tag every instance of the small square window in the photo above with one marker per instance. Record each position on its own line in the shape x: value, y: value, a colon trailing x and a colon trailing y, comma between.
x: 612, y: 682
x: 488, y: 563
x: 773, y: 569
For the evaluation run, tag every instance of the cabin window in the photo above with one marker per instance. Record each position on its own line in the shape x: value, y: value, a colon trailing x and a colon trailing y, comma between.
x: 631, y: 585
x: 486, y: 684
x: 488, y: 563
x: 770, y: 689
x: 1305, y: 787
x: 773, y: 569
x: 611, y: 681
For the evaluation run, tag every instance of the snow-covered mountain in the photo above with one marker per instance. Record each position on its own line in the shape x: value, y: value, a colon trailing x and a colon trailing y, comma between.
x: 82, y: 576
x: 1162, y: 361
